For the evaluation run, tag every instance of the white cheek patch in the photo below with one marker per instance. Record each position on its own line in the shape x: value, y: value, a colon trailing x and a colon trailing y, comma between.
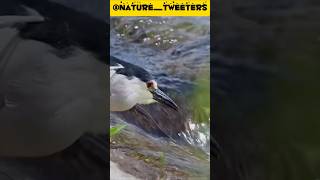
x: 155, y: 84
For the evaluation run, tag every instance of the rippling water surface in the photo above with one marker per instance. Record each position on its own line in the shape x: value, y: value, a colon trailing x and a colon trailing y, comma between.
x: 176, y: 52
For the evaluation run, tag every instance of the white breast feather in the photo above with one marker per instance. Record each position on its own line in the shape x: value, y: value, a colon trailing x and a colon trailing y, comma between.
x: 125, y: 93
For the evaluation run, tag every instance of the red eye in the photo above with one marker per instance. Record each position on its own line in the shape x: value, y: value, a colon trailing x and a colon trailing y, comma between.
x: 149, y: 84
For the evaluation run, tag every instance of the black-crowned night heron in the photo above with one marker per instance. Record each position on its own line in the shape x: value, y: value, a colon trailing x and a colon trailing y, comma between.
x: 53, y: 77
x: 131, y: 85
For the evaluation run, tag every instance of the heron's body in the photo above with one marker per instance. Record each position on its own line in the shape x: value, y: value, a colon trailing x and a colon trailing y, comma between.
x: 126, y: 91
x: 121, y: 99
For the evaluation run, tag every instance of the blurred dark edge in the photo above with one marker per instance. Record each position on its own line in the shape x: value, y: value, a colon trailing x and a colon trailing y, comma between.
x: 78, y: 159
x: 98, y: 9
x: 265, y: 89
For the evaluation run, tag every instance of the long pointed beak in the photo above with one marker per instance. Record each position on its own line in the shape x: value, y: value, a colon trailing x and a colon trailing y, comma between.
x: 161, y: 97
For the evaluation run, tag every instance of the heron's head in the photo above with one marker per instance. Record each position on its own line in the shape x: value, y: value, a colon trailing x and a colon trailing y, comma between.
x: 132, y: 85
x: 159, y: 95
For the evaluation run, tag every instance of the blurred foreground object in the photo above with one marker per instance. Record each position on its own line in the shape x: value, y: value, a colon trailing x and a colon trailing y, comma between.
x: 53, y: 84
x: 266, y: 94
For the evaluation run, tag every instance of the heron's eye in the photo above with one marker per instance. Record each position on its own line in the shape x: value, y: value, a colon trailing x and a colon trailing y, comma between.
x: 149, y: 84
x: 152, y: 85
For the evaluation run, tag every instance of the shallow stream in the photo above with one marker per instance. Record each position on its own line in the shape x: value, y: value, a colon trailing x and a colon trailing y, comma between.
x: 176, y: 51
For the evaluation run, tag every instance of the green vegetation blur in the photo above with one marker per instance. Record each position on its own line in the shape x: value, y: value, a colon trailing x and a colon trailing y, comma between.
x: 201, y: 98
x: 270, y: 131
x: 294, y: 122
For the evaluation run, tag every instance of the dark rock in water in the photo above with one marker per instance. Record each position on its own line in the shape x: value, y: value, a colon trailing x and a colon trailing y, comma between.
x: 157, y: 119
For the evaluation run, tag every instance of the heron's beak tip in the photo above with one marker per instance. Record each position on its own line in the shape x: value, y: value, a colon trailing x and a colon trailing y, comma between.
x: 161, y: 97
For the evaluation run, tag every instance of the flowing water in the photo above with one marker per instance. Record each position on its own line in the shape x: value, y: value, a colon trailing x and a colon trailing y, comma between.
x: 176, y: 51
